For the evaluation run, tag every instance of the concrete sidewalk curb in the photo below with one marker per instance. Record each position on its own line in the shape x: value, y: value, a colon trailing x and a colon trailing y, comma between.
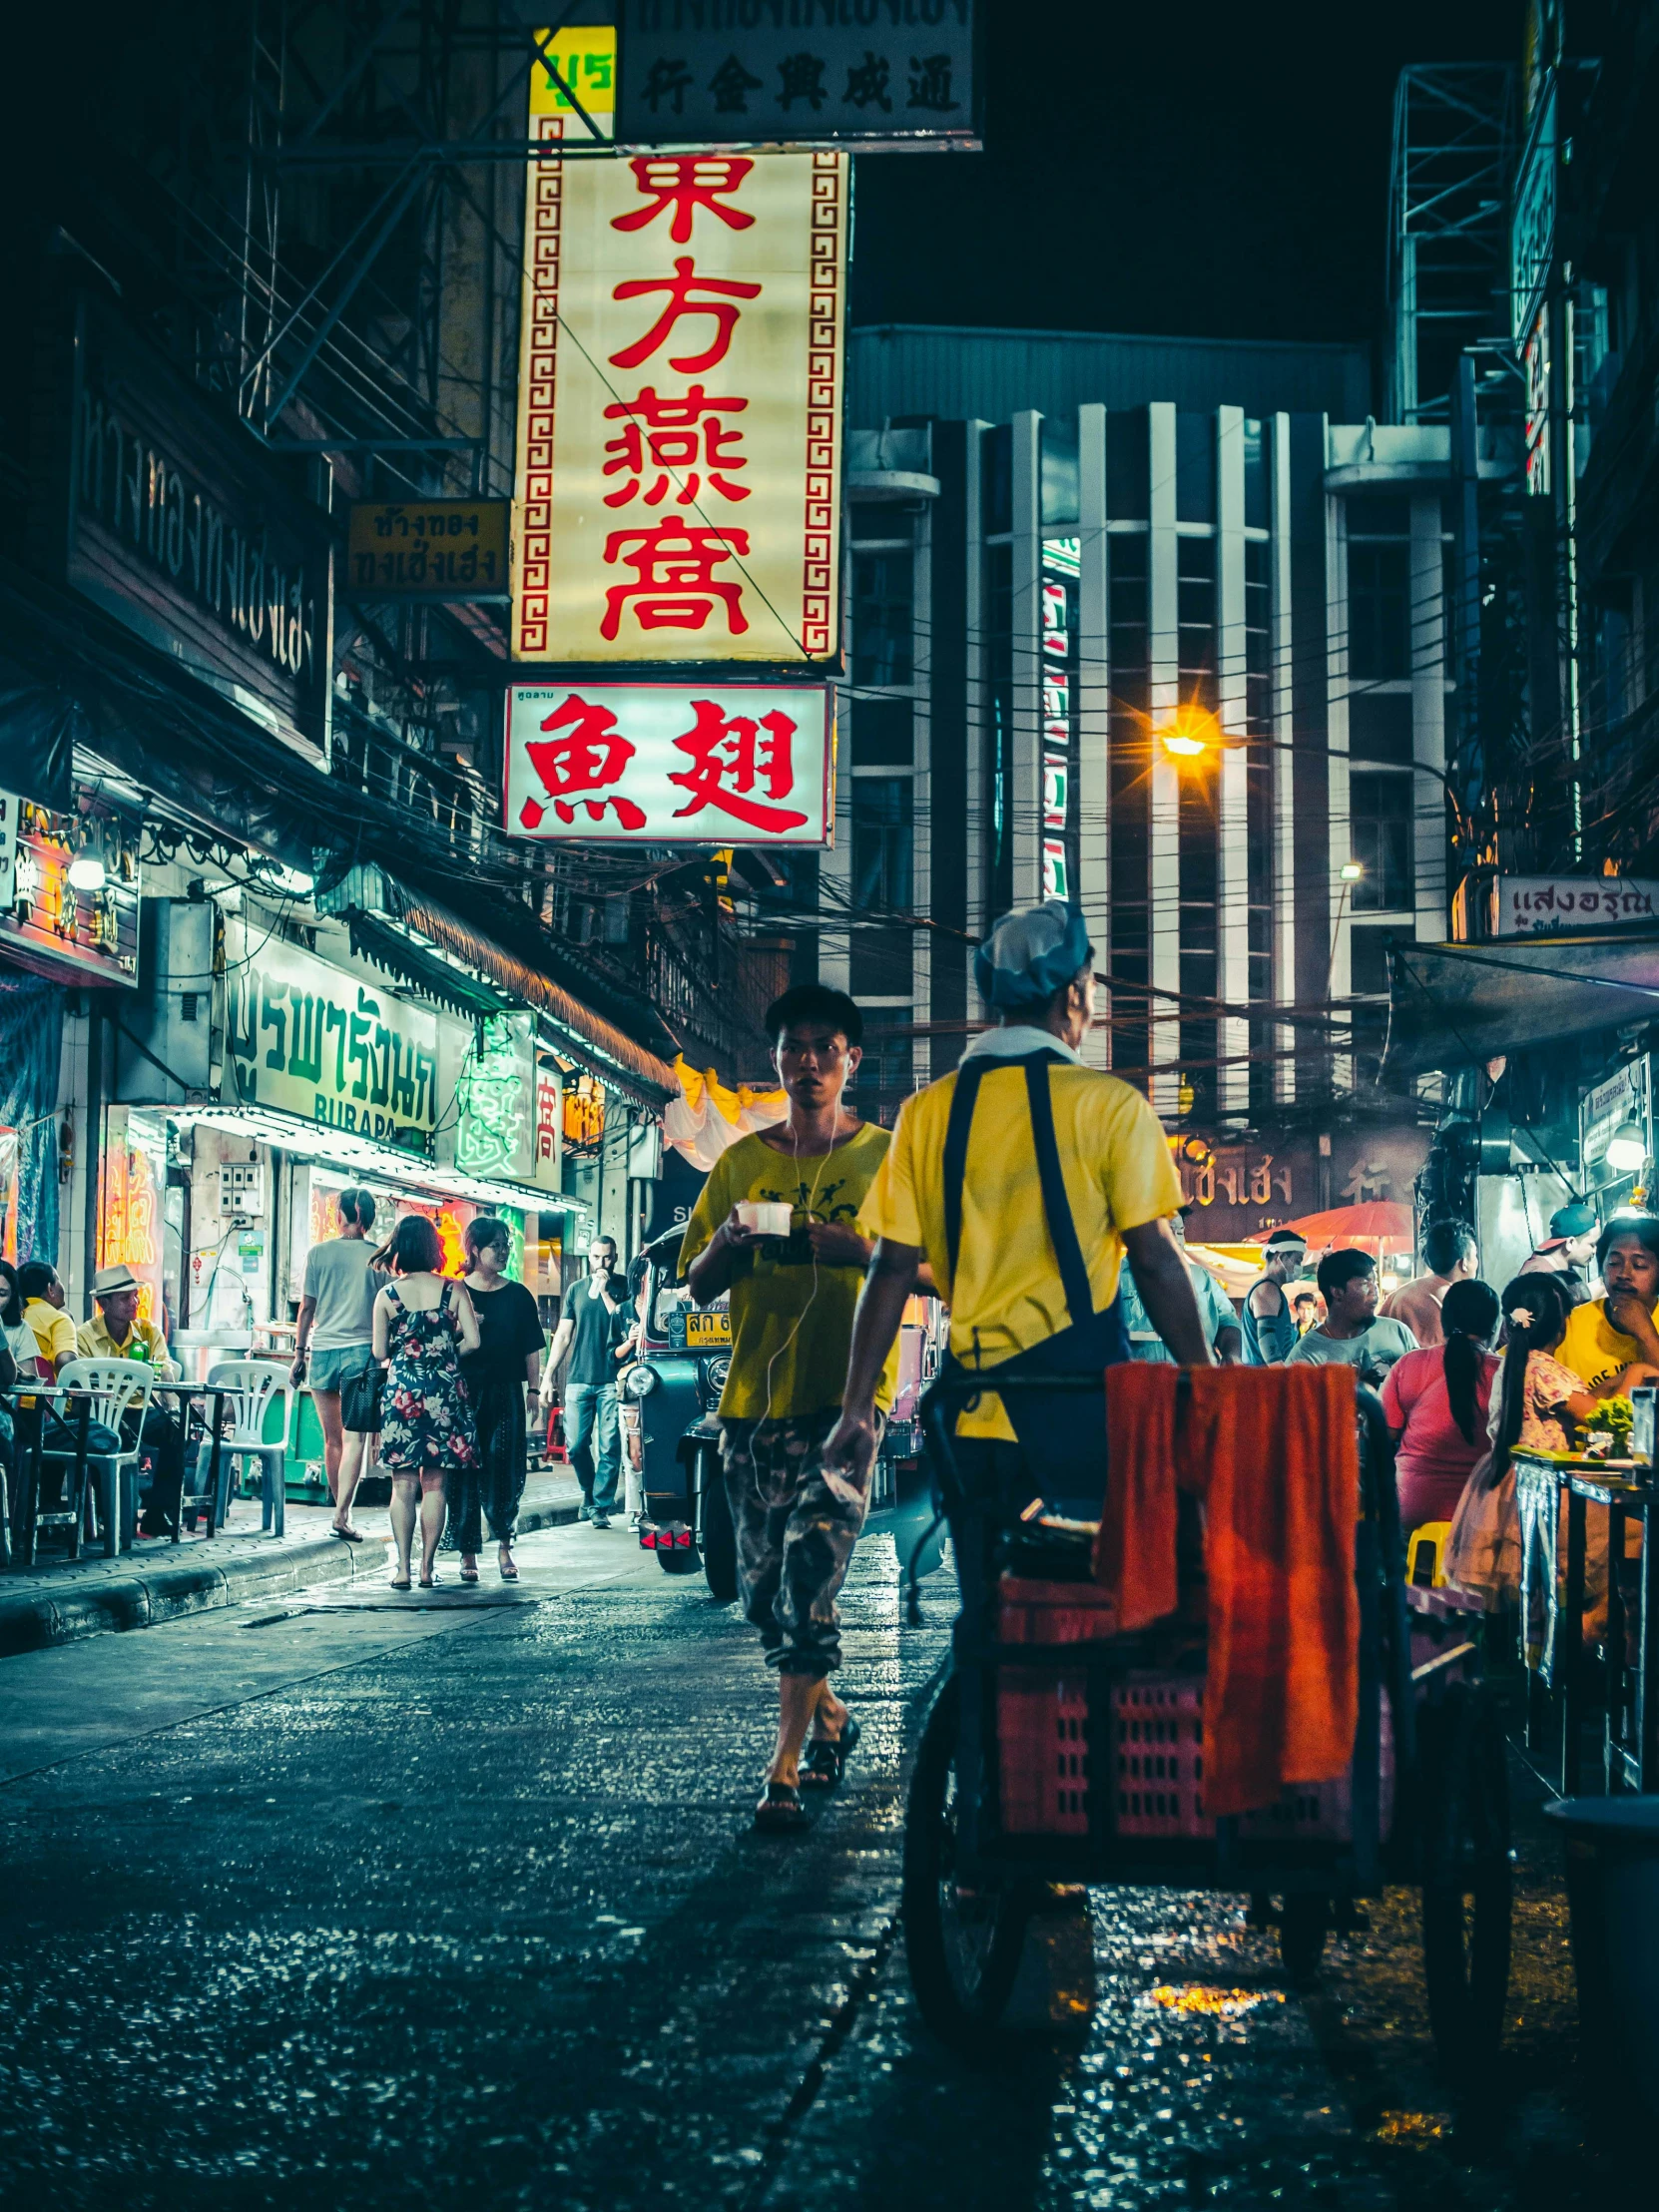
x: 40, y: 1610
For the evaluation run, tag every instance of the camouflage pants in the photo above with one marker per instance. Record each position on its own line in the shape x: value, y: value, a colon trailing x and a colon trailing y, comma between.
x: 794, y: 1537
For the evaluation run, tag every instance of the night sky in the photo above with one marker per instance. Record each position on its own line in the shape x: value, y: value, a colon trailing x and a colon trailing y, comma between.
x: 1167, y: 165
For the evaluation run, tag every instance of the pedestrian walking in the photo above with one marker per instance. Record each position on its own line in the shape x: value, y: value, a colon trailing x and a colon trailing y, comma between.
x: 1269, y: 1325
x: 508, y: 1360
x: 1438, y: 1401
x: 588, y: 1329
x: 1023, y: 1180
x: 1352, y: 1332
x: 116, y: 1333
x: 1450, y: 1255
x: 334, y: 1345
x: 792, y: 1297
x: 17, y: 1363
x: 423, y: 1324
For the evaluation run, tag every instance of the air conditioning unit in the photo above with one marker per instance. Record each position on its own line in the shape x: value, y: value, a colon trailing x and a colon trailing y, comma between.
x: 240, y: 1188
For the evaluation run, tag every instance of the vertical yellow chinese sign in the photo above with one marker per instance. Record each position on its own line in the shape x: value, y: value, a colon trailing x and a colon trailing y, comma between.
x: 680, y: 405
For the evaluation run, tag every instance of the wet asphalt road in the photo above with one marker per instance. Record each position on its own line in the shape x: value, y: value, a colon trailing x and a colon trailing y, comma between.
x: 377, y: 1907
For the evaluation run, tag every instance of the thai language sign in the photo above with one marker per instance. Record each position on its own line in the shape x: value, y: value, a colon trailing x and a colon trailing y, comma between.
x: 305, y: 1039
x: 680, y: 402
x: 670, y: 764
x: 1535, y: 905
x: 797, y: 72
x: 445, y: 549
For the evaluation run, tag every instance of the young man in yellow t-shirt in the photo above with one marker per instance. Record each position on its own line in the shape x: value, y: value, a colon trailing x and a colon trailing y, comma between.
x: 792, y: 1322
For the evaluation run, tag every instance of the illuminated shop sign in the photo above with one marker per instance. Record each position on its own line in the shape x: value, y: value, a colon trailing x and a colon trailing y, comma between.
x: 304, y: 1039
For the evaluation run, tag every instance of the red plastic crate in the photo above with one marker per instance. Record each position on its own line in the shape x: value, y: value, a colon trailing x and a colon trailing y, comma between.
x: 1044, y: 1742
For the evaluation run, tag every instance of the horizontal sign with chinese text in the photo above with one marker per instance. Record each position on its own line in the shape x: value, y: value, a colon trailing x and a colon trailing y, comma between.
x: 670, y: 764
x: 449, y: 549
x: 1536, y: 906
x: 798, y: 73
x: 680, y: 405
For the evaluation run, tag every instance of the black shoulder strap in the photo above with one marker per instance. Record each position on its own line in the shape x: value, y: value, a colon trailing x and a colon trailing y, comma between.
x: 963, y: 1099
x: 1063, y: 1230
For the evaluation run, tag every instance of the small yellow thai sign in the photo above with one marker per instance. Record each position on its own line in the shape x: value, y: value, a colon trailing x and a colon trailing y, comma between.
x: 451, y: 549
x: 586, y: 60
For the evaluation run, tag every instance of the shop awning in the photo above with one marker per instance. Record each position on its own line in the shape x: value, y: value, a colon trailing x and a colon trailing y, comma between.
x: 1458, y: 1005
x: 427, y: 971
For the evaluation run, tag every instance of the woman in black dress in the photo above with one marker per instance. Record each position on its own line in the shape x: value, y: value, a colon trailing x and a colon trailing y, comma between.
x: 508, y: 1357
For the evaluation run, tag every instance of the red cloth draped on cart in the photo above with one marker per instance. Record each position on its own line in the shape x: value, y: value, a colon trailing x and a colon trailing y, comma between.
x: 1274, y: 1455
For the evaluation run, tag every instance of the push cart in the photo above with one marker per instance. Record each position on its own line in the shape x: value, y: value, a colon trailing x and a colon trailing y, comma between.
x: 1058, y: 1752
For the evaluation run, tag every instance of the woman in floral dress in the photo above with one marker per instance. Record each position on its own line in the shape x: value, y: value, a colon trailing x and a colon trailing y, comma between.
x: 423, y: 1325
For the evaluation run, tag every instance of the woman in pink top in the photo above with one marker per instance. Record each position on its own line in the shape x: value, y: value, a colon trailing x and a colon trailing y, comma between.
x: 1436, y: 1401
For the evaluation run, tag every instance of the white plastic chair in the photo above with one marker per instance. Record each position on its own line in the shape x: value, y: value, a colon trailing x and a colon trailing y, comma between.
x: 250, y: 1385
x: 118, y: 1388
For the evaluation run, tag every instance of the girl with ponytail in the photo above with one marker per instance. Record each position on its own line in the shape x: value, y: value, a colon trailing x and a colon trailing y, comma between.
x: 1436, y: 1401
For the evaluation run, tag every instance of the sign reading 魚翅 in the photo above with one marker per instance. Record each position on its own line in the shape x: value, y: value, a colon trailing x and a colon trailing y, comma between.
x: 1538, y: 905
x: 680, y: 404
x: 307, y: 1039
x: 444, y: 549
x: 670, y: 764
x: 798, y: 73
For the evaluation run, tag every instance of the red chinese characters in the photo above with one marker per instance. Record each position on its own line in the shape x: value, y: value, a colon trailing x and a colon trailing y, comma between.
x: 674, y: 585
x: 591, y: 754
x: 732, y: 757
x: 683, y: 288
x: 683, y: 440
x: 685, y: 182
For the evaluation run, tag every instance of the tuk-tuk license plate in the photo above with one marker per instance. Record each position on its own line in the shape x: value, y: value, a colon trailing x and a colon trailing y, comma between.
x: 707, y: 1332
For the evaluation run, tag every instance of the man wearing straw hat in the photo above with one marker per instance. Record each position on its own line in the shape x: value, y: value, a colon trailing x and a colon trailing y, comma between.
x: 116, y: 1333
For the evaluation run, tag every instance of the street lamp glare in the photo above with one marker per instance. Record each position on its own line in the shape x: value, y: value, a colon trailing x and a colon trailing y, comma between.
x: 1351, y: 871
x: 1191, y: 735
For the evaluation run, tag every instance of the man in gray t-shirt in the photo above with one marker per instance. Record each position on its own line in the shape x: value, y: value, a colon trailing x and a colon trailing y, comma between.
x: 1351, y: 1332
x: 334, y: 1342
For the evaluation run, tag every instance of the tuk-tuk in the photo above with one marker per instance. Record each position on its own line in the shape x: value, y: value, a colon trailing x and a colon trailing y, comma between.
x: 667, y: 1397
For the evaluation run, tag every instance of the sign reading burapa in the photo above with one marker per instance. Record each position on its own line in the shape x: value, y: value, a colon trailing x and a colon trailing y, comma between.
x: 680, y: 402
x: 669, y: 764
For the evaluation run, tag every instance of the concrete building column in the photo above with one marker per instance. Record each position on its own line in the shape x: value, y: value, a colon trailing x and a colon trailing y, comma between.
x: 1026, y: 781
x: 1339, y: 894
x: 1164, y: 794
x: 1095, y: 838
x: 1283, y: 780
x: 1429, y: 683
x: 1232, y: 797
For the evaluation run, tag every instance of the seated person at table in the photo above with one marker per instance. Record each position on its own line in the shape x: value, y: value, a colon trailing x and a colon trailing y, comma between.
x: 1352, y: 1332
x: 116, y: 1333
x: 1437, y: 1400
x: 43, y: 1310
x: 1608, y: 1337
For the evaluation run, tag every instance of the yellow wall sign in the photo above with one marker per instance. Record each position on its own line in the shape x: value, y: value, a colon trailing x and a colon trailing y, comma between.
x: 586, y: 58
x: 678, y: 411
x: 451, y: 549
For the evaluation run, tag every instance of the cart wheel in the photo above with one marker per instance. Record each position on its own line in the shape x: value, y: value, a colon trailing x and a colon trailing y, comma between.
x: 1465, y: 1867
x: 720, y: 1539
x: 1304, y: 1922
x: 964, y: 1945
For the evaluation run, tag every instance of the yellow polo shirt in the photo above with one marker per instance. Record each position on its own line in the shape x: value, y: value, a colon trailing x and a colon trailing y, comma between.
x: 145, y: 1342
x: 1009, y: 1296
x: 54, y: 1330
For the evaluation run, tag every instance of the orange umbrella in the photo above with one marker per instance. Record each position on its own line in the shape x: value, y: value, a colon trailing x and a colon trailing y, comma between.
x: 1379, y: 1221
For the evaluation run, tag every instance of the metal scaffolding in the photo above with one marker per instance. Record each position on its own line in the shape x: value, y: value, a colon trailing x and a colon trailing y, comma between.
x: 1448, y: 227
